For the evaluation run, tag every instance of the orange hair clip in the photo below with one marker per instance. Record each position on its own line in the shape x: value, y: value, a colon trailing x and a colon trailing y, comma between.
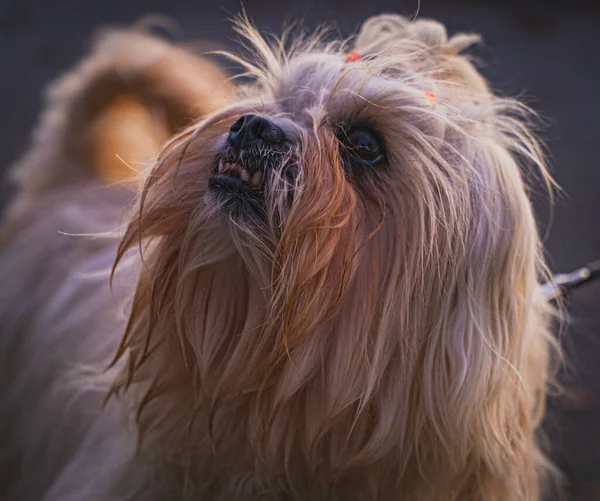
x: 353, y: 56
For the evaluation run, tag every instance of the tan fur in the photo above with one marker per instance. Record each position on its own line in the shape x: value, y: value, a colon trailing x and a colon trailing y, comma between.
x: 376, y: 335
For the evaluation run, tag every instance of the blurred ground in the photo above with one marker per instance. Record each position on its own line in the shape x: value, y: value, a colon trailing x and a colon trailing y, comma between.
x: 546, y: 51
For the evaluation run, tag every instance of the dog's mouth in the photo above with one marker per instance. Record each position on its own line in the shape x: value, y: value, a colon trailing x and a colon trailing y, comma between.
x: 239, y: 174
x: 243, y: 176
x: 233, y: 171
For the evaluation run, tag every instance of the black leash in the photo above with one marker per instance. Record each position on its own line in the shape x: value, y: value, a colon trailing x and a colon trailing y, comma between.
x: 564, y: 282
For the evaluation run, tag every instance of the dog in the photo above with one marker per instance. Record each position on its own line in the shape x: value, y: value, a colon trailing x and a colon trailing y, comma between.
x: 326, y: 286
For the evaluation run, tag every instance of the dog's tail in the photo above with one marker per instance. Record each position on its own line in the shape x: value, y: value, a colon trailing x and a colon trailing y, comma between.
x: 110, y: 115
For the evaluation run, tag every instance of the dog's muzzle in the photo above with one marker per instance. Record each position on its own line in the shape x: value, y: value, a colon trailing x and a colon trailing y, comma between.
x: 255, y: 146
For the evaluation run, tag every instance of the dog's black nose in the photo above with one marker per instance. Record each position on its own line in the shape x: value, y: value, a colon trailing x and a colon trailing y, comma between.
x: 253, y: 129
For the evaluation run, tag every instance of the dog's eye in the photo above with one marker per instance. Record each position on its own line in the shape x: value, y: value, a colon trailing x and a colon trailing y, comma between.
x: 363, y: 145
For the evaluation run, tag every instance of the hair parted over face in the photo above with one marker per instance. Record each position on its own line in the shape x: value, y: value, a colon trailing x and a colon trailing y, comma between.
x: 339, y: 290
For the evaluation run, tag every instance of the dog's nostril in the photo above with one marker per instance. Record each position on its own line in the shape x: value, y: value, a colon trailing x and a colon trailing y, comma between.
x: 238, y: 124
x: 269, y: 132
x: 265, y: 129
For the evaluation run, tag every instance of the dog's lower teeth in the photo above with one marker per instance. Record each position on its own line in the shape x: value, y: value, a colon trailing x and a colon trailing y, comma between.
x: 236, y: 170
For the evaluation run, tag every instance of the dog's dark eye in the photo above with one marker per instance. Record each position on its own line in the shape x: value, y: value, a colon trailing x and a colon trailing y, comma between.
x: 363, y: 145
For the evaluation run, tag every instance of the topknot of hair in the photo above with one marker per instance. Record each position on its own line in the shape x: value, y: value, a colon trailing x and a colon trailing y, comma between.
x: 384, y: 32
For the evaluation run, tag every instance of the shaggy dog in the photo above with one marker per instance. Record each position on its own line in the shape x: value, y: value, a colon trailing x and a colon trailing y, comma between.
x: 326, y: 288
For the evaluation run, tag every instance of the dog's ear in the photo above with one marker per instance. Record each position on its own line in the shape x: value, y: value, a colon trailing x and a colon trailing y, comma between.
x: 429, y: 44
x: 113, y: 112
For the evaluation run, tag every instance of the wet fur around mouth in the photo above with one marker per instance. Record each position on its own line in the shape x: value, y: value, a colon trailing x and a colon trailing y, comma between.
x: 240, y: 179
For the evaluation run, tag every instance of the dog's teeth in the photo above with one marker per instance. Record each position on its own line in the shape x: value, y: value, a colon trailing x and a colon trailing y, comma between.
x: 221, y: 166
x: 244, y: 175
x: 257, y: 178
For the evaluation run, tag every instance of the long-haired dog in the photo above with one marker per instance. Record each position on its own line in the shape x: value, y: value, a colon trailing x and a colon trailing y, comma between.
x: 326, y: 290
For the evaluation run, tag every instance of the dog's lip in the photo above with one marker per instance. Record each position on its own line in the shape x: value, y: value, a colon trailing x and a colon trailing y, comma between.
x: 237, y: 170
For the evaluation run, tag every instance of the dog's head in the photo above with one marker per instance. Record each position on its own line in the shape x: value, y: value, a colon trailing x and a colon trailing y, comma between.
x: 348, y: 254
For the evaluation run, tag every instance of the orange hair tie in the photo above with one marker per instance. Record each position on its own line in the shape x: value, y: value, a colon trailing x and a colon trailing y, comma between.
x: 353, y: 56
x: 432, y: 97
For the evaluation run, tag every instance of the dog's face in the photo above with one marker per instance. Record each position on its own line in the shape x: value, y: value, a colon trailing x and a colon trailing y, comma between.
x: 351, y: 244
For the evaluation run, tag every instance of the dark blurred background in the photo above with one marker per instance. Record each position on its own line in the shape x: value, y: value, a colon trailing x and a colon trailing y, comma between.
x: 546, y: 51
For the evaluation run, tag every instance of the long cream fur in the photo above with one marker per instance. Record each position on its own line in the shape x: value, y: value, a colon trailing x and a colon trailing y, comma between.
x: 375, y: 336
